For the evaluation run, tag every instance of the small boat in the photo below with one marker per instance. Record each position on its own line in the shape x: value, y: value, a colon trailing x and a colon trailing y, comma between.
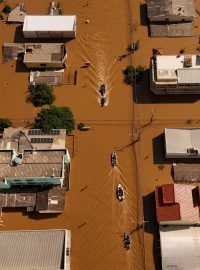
x: 102, y: 89
x: 114, y: 159
x: 102, y: 101
x: 127, y: 241
x: 120, y: 193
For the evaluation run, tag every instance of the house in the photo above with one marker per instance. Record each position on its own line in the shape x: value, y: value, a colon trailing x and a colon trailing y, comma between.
x: 177, y: 204
x: 54, y: 77
x: 175, y: 74
x: 17, y: 14
x: 32, y: 157
x: 182, y: 143
x: 171, y: 18
x: 45, y: 55
x: 180, y: 247
x: 186, y: 172
x: 34, y: 198
x: 38, y: 249
x: 49, y: 26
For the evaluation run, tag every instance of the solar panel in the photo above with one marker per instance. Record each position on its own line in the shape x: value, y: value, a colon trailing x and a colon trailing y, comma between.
x: 41, y: 140
x: 53, y: 132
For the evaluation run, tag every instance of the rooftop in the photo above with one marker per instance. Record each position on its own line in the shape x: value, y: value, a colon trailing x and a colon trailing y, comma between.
x: 160, y: 8
x: 44, y: 52
x: 25, y: 250
x: 48, y: 77
x: 17, y: 14
x: 171, y: 29
x: 38, y: 163
x: 186, y: 172
x: 19, y: 139
x: 183, y: 68
x: 182, y: 141
x: 49, y: 23
x: 43, y: 199
x: 176, y: 202
x: 180, y: 247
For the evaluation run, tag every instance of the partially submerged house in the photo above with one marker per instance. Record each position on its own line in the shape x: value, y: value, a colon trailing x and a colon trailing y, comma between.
x: 45, y: 55
x: 34, y: 169
x: 171, y: 18
x: 182, y: 143
x: 17, y: 14
x: 175, y: 74
x: 186, y: 172
x: 177, y: 204
x: 49, y: 26
x: 55, y: 77
x: 39, y: 249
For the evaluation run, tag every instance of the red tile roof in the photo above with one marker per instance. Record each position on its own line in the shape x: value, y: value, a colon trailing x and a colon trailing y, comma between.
x: 177, y: 202
x: 168, y: 193
x: 166, y: 212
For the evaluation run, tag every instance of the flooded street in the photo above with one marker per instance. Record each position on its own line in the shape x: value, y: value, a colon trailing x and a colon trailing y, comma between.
x: 93, y: 213
x: 97, y: 219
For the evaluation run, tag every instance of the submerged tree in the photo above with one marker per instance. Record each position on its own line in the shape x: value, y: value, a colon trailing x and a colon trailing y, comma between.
x: 6, y: 9
x: 41, y: 94
x: 55, y: 117
x: 4, y: 123
x: 133, y: 75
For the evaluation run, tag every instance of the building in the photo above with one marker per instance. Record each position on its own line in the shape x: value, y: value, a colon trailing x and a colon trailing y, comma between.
x: 49, y: 26
x: 45, y: 55
x: 177, y: 204
x: 34, y: 198
x: 175, y: 74
x: 186, y: 172
x: 17, y: 14
x: 32, y: 157
x: 180, y: 247
x: 171, y: 18
x: 55, y: 77
x: 44, y: 249
x: 182, y: 143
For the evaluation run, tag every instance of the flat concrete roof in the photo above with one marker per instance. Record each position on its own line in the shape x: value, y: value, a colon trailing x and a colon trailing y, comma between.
x: 167, y: 66
x: 178, y: 140
x: 25, y: 250
x: 49, y: 23
x: 180, y: 247
x: 44, y: 52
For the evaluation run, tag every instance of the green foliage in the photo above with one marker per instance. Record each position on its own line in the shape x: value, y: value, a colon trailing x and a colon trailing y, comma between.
x: 1, y: 1
x: 55, y: 117
x: 6, y: 9
x: 198, y: 48
x: 182, y: 51
x: 80, y: 126
x: 134, y: 46
x: 41, y: 94
x: 133, y: 75
x: 4, y: 123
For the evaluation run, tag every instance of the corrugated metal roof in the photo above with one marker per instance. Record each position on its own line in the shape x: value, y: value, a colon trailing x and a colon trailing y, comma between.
x: 186, y: 172
x: 32, y: 250
x: 188, y: 76
x: 158, y: 8
x: 180, y: 247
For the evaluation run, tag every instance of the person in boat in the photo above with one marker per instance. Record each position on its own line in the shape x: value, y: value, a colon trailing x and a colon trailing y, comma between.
x: 102, y: 89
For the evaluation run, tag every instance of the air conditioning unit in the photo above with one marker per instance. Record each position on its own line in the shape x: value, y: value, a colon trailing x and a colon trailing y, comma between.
x: 192, y: 152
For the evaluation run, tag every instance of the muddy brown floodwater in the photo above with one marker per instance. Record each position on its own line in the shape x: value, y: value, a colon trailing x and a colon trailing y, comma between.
x: 96, y: 218
x: 92, y: 212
